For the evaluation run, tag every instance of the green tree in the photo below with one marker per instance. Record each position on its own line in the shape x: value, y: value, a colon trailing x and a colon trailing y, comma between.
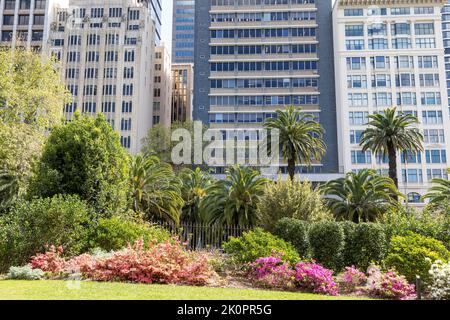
x: 193, y: 189
x: 158, y: 141
x: 390, y: 132
x: 155, y: 189
x: 362, y: 196
x: 85, y: 158
x: 301, y: 138
x: 31, y: 90
x: 439, y: 195
x: 234, y: 200
x: 9, y: 189
x: 291, y: 199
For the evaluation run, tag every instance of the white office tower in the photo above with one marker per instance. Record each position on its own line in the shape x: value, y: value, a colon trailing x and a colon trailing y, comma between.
x: 106, y: 49
x: 26, y: 23
x: 162, y: 91
x: 390, y: 54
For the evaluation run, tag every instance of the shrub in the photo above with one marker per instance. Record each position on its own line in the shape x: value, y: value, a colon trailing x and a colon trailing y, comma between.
x: 50, y: 261
x: 296, y: 232
x: 327, y: 243
x: 31, y: 225
x: 351, y: 278
x: 258, y: 243
x: 271, y: 272
x: 401, y: 222
x: 414, y: 254
x: 349, y: 228
x: 312, y: 277
x: 84, y: 158
x: 24, y: 273
x: 291, y: 199
x: 440, y: 281
x: 116, y: 233
x: 165, y: 263
x: 366, y: 245
x: 388, y: 285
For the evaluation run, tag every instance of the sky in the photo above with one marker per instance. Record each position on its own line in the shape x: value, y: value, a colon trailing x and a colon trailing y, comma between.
x: 167, y: 23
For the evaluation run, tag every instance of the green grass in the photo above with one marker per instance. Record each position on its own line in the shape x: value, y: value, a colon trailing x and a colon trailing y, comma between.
x: 62, y: 290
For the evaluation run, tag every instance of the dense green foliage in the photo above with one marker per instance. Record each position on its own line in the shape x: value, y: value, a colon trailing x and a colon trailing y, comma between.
x: 362, y: 196
x: 301, y: 138
x: 291, y: 199
x: 349, y: 228
x: 439, y: 195
x: 413, y: 255
x: 296, y: 232
x: 365, y: 245
x: 116, y: 233
x: 155, y: 189
x: 234, y: 200
x: 326, y: 240
x: 31, y: 90
x: 258, y: 243
x: 31, y: 225
x: 85, y: 158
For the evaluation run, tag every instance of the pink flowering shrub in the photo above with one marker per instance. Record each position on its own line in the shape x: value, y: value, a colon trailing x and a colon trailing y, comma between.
x: 167, y: 263
x: 389, y: 285
x: 271, y: 272
x: 352, y: 278
x: 312, y: 277
x: 50, y: 261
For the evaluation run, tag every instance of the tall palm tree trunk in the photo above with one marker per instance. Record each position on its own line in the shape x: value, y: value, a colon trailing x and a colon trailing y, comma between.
x: 291, y: 168
x: 393, y: 165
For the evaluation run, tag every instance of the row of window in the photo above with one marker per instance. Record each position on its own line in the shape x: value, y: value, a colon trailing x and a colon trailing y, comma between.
x: 401, y: 80
x: 265, y: 83
x: 382, y: 44
x: 263, y: 66
x: 266, y: 49
x: 400, y: 62
x: 384, y: 99
x: 431, y: 157
x: 296, y: 100
x: 92, y: 73
x: 430, y: 136
x: 377, y: 11
x: 246, y: 3
x: 380, y: 29
x: 264, y: 16
x: 266, y: 33
x: 92, y: 90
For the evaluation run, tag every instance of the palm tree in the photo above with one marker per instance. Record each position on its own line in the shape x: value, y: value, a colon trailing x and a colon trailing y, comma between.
x: 9, y: 188
x: 155, y: 189
x: 391, y: 132
x: 193, y: 190
x: 301, y: 138
x: 361, y: 196
x: 439, y: 194
x: 233, y: 201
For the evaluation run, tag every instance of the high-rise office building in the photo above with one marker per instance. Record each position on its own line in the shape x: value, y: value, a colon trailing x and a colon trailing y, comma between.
x: 107, y: 51
x: 391, y: 54
x: 253, y: 58
x: 182, y: 89
x: 162, y: 89
x: 26, y: 23
x: 446, y: 39
x: 156, y: 14
x: 183, y: 31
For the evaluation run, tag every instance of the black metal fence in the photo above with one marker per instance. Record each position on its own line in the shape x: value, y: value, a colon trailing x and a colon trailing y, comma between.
x: 200, y: 236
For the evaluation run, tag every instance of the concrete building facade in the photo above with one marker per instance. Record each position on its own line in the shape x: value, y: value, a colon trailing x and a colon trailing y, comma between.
x: 107, y: 51
x: 390, y: 54
x: 253, y: 58
x: 162, y: 91
x: 27, y: 23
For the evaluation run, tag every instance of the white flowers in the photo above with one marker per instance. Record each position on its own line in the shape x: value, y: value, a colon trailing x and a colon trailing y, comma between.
x: 440, y: 285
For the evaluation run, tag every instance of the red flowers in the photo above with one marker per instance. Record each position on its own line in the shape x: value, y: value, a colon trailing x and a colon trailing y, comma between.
x: 166, y: 263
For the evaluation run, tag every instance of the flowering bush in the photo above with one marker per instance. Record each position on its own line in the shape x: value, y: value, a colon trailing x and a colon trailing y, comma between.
x: 167, y: 263
x: 352, y: 278
x: 272, y: 272
x: 440, y: 280
x: 50, y: 261
x: 24, y: 273
x: 314, y: 278
x: 388, y: 285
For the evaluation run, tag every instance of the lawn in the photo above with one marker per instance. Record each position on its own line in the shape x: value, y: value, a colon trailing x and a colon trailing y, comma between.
x: 62, y: 290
